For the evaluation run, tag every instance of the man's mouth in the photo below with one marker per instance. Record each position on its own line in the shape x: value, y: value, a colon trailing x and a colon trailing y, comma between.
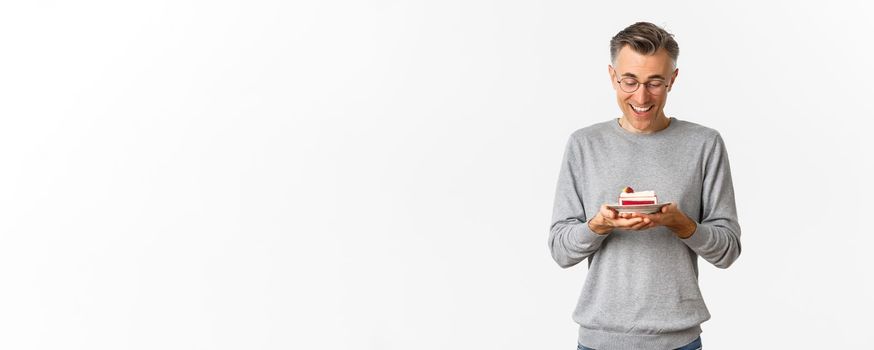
x: 641, y: 109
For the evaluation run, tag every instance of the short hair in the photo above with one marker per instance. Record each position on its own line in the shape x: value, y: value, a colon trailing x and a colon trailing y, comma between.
x: 646, y: 39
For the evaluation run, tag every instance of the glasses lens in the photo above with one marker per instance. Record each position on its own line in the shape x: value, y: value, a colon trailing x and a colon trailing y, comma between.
x: 628, y: 84
x: 656, y: 87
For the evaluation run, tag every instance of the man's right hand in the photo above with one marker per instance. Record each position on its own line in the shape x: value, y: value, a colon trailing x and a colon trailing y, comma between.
x: 608, y: 219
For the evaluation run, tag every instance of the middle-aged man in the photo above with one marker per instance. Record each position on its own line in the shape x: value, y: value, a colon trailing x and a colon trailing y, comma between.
x: 641, y: 290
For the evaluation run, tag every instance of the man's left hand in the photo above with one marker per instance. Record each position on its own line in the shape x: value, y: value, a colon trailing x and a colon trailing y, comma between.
x: 671, y: 217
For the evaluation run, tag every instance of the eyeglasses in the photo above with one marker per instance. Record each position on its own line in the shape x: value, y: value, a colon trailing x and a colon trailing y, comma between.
x: 655, y: 87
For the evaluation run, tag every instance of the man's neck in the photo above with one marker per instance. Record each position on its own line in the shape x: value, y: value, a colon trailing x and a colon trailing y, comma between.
x: 661, y: 123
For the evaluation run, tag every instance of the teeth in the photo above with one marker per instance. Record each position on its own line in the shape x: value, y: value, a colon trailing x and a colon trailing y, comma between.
x: 641, y: 109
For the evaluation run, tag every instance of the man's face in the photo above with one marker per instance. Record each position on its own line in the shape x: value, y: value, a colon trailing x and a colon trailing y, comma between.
x: 643, y: 109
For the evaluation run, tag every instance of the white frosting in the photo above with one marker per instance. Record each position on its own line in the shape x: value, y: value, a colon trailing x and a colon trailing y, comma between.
x: 638, y: 194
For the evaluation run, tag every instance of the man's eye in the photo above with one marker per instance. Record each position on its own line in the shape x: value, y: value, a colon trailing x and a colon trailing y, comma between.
x: 656, y: 84
x: 629, y: 83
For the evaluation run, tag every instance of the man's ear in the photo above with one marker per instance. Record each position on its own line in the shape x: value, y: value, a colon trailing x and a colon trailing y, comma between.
x: 673, y: 78
x: 611, y: 71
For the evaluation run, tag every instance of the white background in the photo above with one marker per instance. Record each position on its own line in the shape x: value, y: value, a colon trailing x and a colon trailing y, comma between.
x: 380, y: 174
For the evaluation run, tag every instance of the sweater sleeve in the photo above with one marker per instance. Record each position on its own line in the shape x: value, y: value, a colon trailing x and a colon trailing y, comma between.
x: 570, y: 239
x: 717, y: 238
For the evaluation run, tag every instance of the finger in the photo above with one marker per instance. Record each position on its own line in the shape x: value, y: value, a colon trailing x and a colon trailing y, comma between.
x: 669, y: 208
x: 647, y: 218
x: 639, y: 227
x: 650, y: 218
x: 642, y: 225
x: 607, y: 212
x: 626, y: 223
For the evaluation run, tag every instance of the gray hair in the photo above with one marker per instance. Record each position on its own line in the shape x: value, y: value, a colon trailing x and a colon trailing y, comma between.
x: 646, y: 39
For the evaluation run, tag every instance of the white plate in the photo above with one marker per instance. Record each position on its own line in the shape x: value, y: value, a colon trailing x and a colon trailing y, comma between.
x: 638, y: 208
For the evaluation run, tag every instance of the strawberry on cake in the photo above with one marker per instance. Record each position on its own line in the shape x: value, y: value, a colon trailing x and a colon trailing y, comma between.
x: 629, y: 197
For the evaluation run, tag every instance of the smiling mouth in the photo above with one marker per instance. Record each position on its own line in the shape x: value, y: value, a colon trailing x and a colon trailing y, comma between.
x: 641, y: 109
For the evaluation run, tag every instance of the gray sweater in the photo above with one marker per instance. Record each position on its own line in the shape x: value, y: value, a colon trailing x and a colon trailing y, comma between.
x: 641, y: 290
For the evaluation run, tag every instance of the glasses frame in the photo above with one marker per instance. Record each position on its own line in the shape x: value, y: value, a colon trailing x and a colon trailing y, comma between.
x: 636, y: 87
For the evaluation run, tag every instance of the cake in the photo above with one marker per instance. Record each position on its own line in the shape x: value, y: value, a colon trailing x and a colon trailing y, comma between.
x: 629, y: 197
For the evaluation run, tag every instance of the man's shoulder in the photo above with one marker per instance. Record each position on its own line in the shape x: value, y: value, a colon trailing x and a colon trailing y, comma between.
x: 695, y: 130
x: 591, y: 131
x: 694, y: 127
x: 600, y: 132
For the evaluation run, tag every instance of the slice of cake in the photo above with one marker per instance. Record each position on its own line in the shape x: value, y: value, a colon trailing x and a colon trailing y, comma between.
x: 629, y: 197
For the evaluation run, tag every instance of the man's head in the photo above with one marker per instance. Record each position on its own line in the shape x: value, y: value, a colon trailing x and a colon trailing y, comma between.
x: 643, y: 70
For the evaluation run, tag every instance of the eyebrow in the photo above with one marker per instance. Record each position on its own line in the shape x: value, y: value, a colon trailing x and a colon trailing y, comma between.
x: 654, y: 76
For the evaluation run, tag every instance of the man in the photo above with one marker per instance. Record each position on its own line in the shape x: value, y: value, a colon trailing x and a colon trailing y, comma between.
x: 641, y: 290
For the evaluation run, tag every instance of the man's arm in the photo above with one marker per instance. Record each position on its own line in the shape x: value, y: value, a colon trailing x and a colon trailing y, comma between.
x: 717, y: 235
x: 571, y: 238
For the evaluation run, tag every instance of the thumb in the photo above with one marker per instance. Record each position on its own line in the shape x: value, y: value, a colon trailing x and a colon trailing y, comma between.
x: 607, y: 212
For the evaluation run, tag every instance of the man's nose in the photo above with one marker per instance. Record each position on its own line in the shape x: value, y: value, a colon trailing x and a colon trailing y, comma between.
x: 641, y: 96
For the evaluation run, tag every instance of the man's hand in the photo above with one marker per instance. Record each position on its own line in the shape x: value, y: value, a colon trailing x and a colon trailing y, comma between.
x: 671, y: 217
x: 608, y: 219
